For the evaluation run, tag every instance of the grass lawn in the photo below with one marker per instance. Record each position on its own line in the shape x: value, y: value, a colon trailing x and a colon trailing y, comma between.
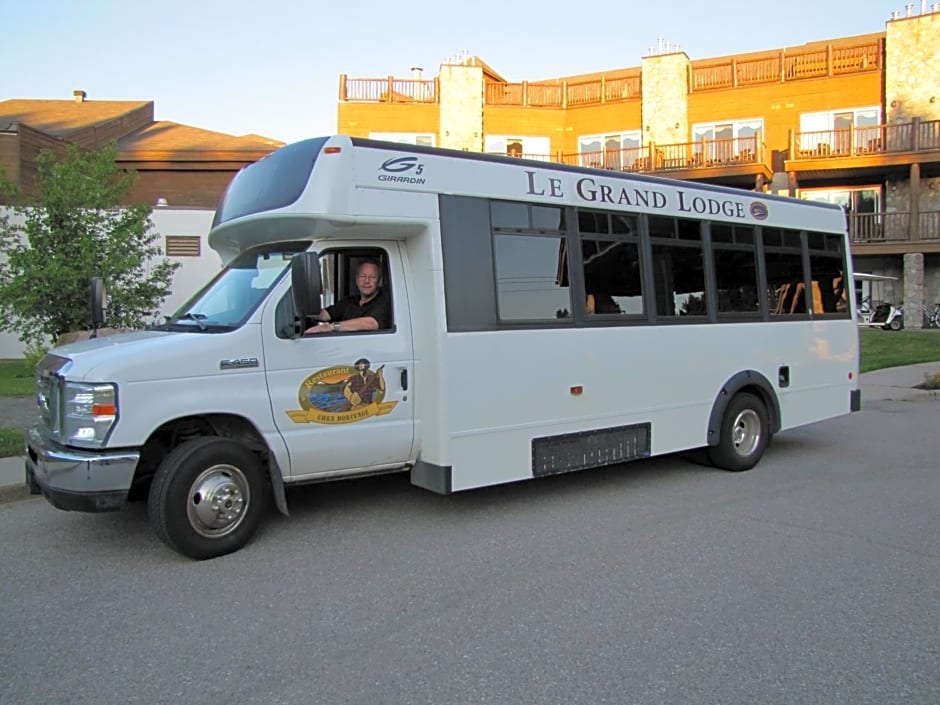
x: 885, y: 348
x: 16, y: 380
x: 12, y: 442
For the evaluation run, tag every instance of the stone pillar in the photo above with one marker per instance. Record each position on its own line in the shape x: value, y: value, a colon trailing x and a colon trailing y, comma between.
x: 461, y: 107
x: 665, y: 98
x: 913, y: 290
x: 912, y: 44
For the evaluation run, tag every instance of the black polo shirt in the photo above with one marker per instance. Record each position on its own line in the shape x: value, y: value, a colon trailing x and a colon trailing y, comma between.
x: 378, y: 308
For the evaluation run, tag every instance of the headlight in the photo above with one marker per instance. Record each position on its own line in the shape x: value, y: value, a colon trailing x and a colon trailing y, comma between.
x: 88, y: 413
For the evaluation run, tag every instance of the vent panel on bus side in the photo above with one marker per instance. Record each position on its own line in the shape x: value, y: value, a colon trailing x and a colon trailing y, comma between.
x: 589, y: 449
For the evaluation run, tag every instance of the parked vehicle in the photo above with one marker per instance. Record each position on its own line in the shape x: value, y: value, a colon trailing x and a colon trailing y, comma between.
x: 543, y: 320
x: 882, y: 314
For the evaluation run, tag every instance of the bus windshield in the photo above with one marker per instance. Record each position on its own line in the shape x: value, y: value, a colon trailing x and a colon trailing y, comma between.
x: 227, y: 301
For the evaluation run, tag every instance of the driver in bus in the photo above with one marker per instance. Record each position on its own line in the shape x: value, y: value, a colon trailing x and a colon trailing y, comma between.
x: 367, y: 310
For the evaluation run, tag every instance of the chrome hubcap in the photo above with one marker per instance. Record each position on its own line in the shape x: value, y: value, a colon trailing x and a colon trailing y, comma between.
x: 217, y: 501
x: 746, y: 432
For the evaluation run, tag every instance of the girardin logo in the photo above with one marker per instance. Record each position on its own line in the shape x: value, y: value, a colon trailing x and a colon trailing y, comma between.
x: 342, y: 394
x: 403, y: 170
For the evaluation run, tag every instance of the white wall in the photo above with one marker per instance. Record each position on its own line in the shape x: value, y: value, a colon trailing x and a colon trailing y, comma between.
x: 192, y: 274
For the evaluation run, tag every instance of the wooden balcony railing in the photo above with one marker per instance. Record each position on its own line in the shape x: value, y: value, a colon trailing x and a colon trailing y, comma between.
x: 915, y: 136
x: 675, y: 157
x: 781, y: 66
x: 388, y: 90
x: 535, y: 157
x: 768, y: 67
x: 563, y: 94
x: 871, y: 228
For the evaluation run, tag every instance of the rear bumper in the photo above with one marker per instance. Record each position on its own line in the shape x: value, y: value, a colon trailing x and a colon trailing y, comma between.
x: 74, y: 480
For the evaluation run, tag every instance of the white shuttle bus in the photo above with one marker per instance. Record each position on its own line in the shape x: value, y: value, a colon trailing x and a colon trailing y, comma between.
x: 543, y: 319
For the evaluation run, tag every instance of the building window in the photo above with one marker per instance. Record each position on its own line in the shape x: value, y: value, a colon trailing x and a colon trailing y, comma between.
x: 183, y: 246
x: 861, y: 199
x: 513, y: 146
x: 618, y: 150
x: 421, y: 139
x: 863, y: 210
x: 840, y: 131
x: 727, y: 141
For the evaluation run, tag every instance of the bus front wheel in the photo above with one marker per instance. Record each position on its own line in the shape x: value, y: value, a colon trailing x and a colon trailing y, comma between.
x: 207, y: 497
x: 745, y: 431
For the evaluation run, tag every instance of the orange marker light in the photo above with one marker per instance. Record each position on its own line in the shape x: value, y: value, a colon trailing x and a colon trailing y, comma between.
x: 103, y: 410
x: 577, y: 389
x: 332, y: 150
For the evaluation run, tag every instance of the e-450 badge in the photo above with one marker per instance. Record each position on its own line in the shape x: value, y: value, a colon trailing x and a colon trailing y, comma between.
x: 342, y: 394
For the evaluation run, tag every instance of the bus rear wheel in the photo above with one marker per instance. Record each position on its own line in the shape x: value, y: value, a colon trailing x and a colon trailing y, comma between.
x: 745, y: 432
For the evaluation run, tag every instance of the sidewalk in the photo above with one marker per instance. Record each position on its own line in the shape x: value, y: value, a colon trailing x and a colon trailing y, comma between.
x: 892, y: 384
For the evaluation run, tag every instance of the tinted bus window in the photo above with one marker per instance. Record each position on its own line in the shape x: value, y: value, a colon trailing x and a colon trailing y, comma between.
x: 783, y: 258
x: 527, y: 285
x: 270, y: 183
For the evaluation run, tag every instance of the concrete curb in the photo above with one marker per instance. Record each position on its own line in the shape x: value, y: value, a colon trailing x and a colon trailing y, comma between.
x: 14, y: 493
x: 13, y: 480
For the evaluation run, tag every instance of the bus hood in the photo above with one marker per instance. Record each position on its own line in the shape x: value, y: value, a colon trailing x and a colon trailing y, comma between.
x: 157, y: 355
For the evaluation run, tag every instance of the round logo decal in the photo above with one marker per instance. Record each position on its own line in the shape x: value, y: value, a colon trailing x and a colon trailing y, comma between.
x: 759, y: 210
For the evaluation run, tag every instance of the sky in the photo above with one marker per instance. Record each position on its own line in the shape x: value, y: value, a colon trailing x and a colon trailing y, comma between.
x: 272, y: 68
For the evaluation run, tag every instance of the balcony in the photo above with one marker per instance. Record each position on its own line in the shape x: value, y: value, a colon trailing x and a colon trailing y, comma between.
x: 388, y: 90
x: 564, y: 94
x: 782, y: 67
x: 863, y: 55
x: 739, y: 161
x: 865, y: 149
x: 872, y: 233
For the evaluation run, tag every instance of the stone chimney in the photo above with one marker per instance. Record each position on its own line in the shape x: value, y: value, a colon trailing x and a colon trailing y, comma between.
x: 79, y: 96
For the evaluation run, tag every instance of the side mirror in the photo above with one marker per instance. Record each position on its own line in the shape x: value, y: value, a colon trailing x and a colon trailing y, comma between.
x: 306, y: 285
x: 97, y: 302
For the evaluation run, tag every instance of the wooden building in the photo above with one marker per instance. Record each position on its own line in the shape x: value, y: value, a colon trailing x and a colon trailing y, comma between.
x: 182, y: 172
x: 179, y: 165
x: 851, y: 120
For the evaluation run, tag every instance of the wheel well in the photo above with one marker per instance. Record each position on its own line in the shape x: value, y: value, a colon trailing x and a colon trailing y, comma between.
x: 173, y: 433
x: 749, y: 381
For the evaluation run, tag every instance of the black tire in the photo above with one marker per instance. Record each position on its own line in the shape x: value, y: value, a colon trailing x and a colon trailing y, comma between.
x: 207, y: 497
x: 896, y: 323
x: 745, y: 434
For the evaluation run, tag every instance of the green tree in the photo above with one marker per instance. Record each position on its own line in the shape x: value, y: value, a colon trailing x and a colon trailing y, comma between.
x: 74, y: 228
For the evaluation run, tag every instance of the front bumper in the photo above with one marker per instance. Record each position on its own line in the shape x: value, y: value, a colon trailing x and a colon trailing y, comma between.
x: 77, y: 480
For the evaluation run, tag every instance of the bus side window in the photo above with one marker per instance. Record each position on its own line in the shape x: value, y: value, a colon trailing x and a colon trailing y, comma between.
x: 344, y: 277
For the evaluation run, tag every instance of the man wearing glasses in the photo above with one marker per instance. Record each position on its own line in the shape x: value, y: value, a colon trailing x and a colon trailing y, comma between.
x: 369, y: 310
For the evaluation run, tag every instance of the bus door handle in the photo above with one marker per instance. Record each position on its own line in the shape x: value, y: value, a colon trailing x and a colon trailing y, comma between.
x: 404, y: 379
